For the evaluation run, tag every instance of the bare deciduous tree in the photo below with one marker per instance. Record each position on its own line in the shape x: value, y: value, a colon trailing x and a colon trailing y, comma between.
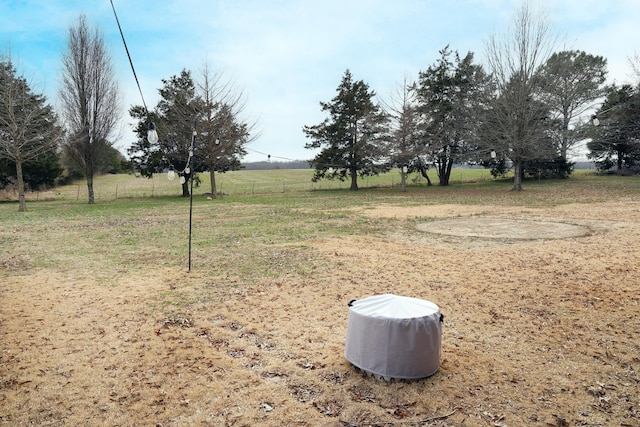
x: 516, y: 123
x: 27, y: 124
x: 634, y: 61
x: 89, y: 96
x: 406, y: 147
x: 223, y: 133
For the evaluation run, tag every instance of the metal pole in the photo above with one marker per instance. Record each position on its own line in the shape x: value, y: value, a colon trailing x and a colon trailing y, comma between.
x: 192, y: 171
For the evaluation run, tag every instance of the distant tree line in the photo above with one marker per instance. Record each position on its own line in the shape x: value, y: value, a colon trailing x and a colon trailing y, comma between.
x: 525, y: 111
x: 269, y: 165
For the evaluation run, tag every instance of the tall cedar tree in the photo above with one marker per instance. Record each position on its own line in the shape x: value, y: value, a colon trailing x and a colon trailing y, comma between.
x: 450, y: 94
x: 616, y: 138
x: 28, y: 127
x: 90, y: 100
x: 353, y: 138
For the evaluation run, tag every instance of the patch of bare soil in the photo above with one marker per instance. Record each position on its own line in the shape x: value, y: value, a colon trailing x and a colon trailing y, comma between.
x: 504, y: 228
x: 540, y: 330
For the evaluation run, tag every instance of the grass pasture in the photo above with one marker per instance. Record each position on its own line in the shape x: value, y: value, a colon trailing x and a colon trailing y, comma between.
x: 102, y: 324
x: 241, y: 182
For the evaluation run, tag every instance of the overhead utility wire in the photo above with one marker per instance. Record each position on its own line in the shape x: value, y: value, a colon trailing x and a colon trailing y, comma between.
x: 140, y: 89
x: 129, y: 56
x: 270, y: 156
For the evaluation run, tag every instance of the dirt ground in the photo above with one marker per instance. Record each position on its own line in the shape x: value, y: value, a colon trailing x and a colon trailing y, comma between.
x: 542, y: 328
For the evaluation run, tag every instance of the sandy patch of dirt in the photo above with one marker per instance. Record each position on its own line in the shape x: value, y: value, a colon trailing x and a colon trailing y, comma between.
x: 538, y: 331
x: 490, y: 227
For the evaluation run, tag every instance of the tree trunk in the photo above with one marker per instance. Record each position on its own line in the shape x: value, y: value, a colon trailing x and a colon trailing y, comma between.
x: 354, y: 179
x: 564, y: 144
x: 214, y: 190
x: 619, y: 162
x: 441, y: 172
x: 22, y: 205
x: 517, y: 179
x: 185, y: 187
x: 423, y: 172
x: 446, y: 172
x: 88, y: 170
x: 92, y: 198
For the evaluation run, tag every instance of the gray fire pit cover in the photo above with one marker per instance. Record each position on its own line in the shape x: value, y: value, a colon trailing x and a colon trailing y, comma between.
x: 394, y: 336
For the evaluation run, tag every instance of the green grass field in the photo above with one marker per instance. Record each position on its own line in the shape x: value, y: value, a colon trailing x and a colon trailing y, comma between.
x: 135, y: 217
x: 240, y: 182
x: 136, y: 212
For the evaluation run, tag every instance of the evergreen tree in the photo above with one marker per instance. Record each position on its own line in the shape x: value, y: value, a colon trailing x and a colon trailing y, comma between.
x: 570, y: 82
x: 182, y: 110
x: 174, y: 118
x: 450, y: 95
x: 616, y: 138
x: 353, y: 139
x: 28, y: 130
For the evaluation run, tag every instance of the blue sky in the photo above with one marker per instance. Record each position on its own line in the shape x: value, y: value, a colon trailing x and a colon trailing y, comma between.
x: 288, y: 55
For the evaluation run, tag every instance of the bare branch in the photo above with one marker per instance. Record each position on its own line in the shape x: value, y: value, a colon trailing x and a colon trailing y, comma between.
x: 90, y: 99
x: 515, y: 58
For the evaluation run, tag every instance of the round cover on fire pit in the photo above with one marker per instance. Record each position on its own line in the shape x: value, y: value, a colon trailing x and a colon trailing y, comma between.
x: 394, y: 336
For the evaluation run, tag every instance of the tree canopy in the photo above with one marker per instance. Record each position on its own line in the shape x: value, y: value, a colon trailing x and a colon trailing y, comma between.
x: 616, y: 138
x: 451, y: 96
x: 29, y: 133
x: 406, y: 145
x: 185, y: 108
x: 570, y: 83
x: 353, y: 139
x: 174, y: 117
x: 90, y: 100
x: 223, y: 134
x: 518, y: 120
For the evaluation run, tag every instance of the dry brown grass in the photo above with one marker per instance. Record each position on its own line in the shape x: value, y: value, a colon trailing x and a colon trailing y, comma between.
x: 100, y: 323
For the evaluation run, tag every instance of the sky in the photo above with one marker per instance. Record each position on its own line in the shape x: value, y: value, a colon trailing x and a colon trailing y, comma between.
x: 287, y: 56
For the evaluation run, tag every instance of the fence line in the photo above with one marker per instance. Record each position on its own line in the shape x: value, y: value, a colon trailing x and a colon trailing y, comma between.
x: 160, y: 186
